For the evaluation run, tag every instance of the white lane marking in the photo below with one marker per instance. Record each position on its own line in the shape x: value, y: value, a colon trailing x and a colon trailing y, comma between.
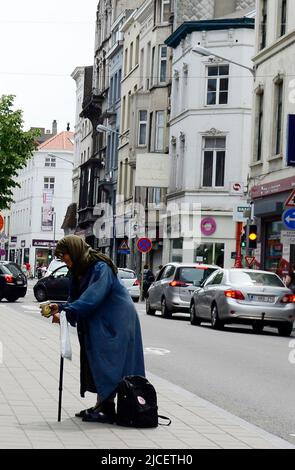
x: 31, y: 307
x: 156, y: 351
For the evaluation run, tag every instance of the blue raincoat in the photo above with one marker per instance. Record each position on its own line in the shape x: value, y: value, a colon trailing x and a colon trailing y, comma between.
x: 108, y: 329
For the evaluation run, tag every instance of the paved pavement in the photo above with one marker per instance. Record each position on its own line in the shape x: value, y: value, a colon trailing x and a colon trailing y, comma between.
x: 29, y: 374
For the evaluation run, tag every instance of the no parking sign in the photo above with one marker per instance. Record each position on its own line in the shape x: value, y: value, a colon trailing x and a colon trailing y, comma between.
x: 144, y: 245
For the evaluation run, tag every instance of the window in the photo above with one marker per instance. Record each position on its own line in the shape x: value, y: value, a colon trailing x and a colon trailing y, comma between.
x: 111, y: 92
x: 213, y: 162
x: 131, y: 57
x: 263, y: 24
x: 259, y: 127
x: 49, y: 182
x: 165, y: 11
x: 278, y: 117
x: 142, y: 127
x: 137, y: 50
x: 119, y: 84
x: 168, y: 272
x: 125, y: 62
x: 159, y: 134
x: 217, y: 84
x: 210, y: 253
x: 282, y: 17
x: 50, y: 161
x: 162, y: 64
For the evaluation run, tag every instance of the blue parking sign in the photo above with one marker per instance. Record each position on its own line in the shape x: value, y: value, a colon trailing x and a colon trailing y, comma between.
x: 289, y: 219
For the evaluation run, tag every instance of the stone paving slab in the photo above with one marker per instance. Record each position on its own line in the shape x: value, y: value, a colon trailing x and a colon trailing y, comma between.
x: 29, y: 375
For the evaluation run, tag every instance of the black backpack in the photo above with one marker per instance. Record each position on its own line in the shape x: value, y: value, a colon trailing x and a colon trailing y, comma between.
x: 137, y: 403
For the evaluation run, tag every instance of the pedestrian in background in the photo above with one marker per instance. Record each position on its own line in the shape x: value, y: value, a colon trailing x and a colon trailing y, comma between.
x: 148, y: 279
x: 290, y: 278
x: 107, y: 323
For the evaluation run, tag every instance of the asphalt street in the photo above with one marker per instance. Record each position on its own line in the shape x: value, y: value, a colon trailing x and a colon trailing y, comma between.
x: 249, y: 375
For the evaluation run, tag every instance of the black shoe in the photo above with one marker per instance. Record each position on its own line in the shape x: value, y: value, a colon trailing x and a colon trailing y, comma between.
x: 105, y: 414
x: 83, y: 413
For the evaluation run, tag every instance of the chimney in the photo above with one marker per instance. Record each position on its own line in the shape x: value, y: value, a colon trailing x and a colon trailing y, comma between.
x: 68, y: 126
x: 54, y: 127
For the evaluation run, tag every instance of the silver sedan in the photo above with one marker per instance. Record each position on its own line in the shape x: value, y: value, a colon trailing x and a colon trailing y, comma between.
x: 246, y: 296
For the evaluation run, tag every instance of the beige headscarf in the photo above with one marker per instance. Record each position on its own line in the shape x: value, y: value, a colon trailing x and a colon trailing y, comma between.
x: 82, y: 255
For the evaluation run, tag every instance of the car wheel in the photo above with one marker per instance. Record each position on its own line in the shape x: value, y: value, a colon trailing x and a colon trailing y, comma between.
x: 12, y: 298
x: 149, y: 310
x: 166, y: 313
x: 135, y: 299
x: 40, y: 294
x: 257, y: 327
x: 193, y: 318
x: 215, y: 321
x: 285, y: 330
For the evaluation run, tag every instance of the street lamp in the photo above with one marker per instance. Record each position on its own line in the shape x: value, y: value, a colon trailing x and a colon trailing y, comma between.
x: 203, y: 51
x: 101, y: 128
x: 207, y: 53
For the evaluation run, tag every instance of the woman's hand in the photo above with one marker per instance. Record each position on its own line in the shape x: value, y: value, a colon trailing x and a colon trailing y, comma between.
x: 53, y: 308
x: 56, y: 317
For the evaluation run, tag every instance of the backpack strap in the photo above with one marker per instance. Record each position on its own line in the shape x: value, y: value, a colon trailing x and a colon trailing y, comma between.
x: 165, y: 417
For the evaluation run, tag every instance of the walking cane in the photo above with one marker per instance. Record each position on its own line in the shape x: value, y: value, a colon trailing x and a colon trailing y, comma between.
x: 61, y: 371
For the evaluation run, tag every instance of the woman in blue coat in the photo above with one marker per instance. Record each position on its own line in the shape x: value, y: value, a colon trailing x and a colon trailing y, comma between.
x: 107, y: 323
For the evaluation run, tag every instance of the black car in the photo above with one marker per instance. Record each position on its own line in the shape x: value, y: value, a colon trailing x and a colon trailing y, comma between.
x: 53, y: 287
x: 13, y: 282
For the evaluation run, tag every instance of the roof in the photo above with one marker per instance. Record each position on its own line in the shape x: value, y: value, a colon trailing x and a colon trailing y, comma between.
x: 208, y: 25
x: 62, y: 141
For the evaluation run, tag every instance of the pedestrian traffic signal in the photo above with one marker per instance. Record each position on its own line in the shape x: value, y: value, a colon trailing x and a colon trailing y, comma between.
x: 49, y: 255
x: 252, y: 236
x: 243, y: 239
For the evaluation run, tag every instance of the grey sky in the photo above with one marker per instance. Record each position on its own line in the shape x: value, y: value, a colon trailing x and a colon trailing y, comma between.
x: 41, y: 44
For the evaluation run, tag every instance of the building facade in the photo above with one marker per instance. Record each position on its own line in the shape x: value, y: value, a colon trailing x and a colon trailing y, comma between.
x: 33, y: 224
x: 272, y: 166
x: 210, y: 136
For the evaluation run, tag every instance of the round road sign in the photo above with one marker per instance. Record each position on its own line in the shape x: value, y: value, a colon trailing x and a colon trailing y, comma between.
x: 144, y: 245
x: 1, y: 222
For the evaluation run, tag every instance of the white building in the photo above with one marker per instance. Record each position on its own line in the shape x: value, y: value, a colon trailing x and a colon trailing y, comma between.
x: 273, y: 161
x: 35, y: 218
x: 210, y: 132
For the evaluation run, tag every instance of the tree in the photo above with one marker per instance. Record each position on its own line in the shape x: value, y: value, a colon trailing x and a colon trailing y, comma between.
x: 16, y: 148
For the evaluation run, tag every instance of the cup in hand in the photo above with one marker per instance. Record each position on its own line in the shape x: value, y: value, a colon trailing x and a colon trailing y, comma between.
x: 45, y: 309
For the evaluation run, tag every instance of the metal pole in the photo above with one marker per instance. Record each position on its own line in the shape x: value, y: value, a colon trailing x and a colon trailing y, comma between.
x: 61, y: 371
x: 54, y: 226
x: 238, y: 260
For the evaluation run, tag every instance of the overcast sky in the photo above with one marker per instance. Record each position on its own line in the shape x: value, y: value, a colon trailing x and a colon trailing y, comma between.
x: 41, y: 43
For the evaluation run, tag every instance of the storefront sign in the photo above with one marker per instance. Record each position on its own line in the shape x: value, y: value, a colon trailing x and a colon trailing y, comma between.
x: 44, y: 243
x: 274, y: 187
x: 13, y: 239
x: 208, y: 226
x: 288, y: 237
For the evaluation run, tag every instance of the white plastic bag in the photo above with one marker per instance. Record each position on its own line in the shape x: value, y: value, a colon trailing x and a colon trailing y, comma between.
x: 65, y: 342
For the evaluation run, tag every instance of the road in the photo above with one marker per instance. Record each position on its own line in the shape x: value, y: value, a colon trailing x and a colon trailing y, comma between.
x: 247, y: 374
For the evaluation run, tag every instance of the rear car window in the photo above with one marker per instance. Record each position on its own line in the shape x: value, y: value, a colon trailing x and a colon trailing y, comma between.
x: 193, y: 275
x: 255, y: 279
x: 13, y: 269
x: 126, y: 275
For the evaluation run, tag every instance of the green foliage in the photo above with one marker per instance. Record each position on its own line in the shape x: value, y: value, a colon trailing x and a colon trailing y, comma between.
x: 16, y: 148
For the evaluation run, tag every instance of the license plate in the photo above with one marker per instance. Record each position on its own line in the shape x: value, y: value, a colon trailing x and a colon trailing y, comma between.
x: 262, y: 298
x: 19, y: 282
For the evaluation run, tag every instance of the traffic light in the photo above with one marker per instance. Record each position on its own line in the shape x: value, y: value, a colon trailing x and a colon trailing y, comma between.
x: 243, y: 239
x: 49, y: 255
x: 252, y: 237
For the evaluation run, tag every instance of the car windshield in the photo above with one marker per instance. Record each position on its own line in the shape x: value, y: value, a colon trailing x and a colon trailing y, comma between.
x: 126, y: 274
x: 194, y: 275
x: 255, y: 279
x: 13, y: 269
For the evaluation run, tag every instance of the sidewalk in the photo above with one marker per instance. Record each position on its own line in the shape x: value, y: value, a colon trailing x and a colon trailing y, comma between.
x: 29, y: 374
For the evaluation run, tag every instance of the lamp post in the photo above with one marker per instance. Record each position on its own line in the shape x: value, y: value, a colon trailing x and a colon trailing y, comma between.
x: 203, y: 51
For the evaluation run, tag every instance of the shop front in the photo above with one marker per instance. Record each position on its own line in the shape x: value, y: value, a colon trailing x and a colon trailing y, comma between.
x: 269, y: 200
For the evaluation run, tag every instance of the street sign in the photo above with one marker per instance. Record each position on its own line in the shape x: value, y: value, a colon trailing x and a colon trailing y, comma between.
x: 144, y: 245
x: 250, y: 260
x: 3, y: 237
x: 288, y: 237
x: 238, y: 212
x: 291, y: 200
x: 1, y: 222
x: 124, y: 248
x: 289, y: 219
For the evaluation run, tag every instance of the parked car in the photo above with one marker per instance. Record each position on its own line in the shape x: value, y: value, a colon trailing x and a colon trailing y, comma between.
x: 55, y: 286
x: 246, y: 296
x: 13, y: 282
x: 129, y: 279
x: 53, y: 265
x: 175, y: 283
